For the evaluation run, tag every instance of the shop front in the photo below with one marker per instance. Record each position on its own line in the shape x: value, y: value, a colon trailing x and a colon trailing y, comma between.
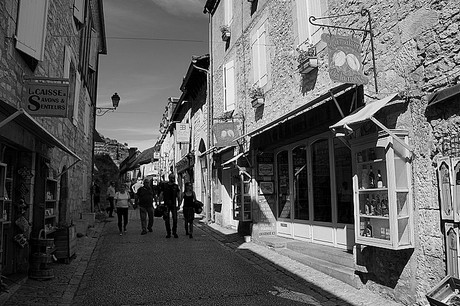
x: 30, y: 199
x: 304, y: 172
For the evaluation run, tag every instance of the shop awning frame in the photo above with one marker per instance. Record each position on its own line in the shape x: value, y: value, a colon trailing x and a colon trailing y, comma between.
x: 340, y: 89
x: 231, y: 160
x: 366, y: 112
x: 34, y: 127
x: 443, y: 95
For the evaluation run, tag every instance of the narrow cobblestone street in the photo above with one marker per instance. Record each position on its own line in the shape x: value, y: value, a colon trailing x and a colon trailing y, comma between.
x: 213, y: 268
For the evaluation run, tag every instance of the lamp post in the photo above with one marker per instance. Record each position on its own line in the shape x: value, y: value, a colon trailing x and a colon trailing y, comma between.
x: 101, y: 111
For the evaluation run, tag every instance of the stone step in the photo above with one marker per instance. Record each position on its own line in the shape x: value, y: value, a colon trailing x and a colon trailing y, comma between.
x: 330, y: 254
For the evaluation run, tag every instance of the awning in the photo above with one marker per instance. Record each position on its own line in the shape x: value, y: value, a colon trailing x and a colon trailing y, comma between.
x: 443, y: 95
x: 26, y: 121
x: 296, y: 112
x: 233, y: 159
x: 360, y: 115
x: 342, y: 128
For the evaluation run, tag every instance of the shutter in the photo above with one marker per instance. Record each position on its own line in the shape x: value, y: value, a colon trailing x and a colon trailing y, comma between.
x: 79, y: 10
x: 31, y: 27
x: 76, y: 97
x: 87, y: 114
x: 263, y: 77
x: 255, y: 58
x: 316, y: 8
x: 230, y: 78
x: 228, y: 11
x: 303, y: 24
x: 93, y: 50
x: 67, y: 61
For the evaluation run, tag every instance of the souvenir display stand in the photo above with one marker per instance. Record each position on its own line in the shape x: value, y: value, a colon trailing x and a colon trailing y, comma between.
x: 382, y: 193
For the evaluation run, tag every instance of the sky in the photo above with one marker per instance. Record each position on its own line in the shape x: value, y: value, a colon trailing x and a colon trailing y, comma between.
x: 150, y: 44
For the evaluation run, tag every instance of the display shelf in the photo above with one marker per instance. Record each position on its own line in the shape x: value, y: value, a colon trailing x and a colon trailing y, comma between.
x: 382, y: 195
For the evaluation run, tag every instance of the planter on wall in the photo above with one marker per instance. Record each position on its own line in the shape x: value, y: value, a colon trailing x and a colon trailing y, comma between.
x: 258, y: 101
x: 308, y: 65
x: 225, y: 35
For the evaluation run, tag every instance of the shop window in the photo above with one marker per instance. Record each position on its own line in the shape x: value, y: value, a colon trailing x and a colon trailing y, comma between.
x: 344, y: 184
x: 31, y: 27
x: 284, y: 201
x: 321, y: 181
x: 299, y: 162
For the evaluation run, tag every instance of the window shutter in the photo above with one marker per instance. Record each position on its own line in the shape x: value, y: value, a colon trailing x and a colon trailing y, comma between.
x: 31, y: 27
x: 87, y: 113
x: 76, y: 98
x: 303, y: 25
x: 229, y: 86
x: 79, y: 10
x: 316, y: 8
x: 67, y: 61
x: 255, y: 59
x: 263, y: 77
x: 94, y: 50
x: 228, y: 11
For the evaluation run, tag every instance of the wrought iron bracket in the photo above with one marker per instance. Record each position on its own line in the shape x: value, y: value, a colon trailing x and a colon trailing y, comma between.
x: 101, y: 111
x: 366, y: 31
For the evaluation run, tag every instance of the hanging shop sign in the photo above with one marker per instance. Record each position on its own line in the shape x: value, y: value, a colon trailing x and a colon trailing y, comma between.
x: 225, y: 134
x: 183, y: 132
x: 345, y: 62
x: 46, y: 99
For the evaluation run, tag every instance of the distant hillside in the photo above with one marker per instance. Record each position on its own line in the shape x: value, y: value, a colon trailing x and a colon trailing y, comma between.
x: 117, y: 151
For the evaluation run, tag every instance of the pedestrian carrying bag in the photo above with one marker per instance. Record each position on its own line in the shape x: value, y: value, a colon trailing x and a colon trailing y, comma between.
x: 198, y: 207
x: 159, y: 211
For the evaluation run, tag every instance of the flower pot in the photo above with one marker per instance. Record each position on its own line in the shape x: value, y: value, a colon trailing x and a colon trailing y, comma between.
x: 256, y: 102
x: 225, y: 36
x: 308, y: 65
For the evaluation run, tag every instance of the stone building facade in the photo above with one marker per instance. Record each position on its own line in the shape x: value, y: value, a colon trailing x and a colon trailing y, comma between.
x: 416, y: 53
x: 47, y: 158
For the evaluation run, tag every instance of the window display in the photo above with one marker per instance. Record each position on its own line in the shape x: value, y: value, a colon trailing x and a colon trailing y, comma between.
x: 382, y: 194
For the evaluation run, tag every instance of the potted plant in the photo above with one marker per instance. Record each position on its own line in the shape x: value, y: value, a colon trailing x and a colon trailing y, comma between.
x: 257, y: 96
x: 225, y: 29
x: 306, y: 59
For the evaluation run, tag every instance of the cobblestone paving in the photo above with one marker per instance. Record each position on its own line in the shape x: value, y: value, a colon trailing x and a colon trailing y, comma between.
x: 315, y: 288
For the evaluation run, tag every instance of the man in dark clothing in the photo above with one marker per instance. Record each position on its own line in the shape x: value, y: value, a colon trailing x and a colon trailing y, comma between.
x: 170, y: 194
x: 144, y: 199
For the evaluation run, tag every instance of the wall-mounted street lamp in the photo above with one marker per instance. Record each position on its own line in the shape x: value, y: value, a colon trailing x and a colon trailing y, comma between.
x: 101, y: 111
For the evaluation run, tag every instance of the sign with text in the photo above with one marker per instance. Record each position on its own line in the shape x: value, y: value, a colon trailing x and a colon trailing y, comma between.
x: 345, y: 63
x: 46, y: 99
x: 225, y: 133
x: 183, y: 132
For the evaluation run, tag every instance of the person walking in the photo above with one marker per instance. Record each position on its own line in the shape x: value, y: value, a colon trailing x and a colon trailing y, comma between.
x: 97, y: 196
x: 144, y: 199
x: 189, y: 198
x: 111, y: 197
x: 122, y: 200
x: 170, y: 195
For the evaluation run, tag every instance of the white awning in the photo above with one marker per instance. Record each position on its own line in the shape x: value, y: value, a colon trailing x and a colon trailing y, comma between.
x: 25, y: 120
x: 360, y: 115
x: 342, y: 128
x: 233, y: 159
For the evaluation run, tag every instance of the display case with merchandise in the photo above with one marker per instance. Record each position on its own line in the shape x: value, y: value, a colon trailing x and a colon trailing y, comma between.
x: 382, y: 191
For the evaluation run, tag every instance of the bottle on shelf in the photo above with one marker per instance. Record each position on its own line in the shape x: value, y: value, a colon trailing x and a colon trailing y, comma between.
x: 379, y: 179
x: 371, y: 178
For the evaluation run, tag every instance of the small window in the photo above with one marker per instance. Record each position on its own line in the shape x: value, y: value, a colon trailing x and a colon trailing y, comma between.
x: 229, y: 86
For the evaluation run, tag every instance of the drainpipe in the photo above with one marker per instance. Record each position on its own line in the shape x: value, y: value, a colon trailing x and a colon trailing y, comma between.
x: 210, y: 208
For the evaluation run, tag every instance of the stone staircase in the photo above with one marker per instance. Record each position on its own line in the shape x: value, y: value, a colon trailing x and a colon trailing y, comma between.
x: 337, y: 263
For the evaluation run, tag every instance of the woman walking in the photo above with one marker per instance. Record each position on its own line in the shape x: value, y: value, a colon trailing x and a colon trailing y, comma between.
x: 189, y: 211
x: 122, y: 200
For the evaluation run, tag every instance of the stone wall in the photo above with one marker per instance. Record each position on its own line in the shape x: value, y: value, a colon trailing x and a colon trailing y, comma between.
x: 15, y: 67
